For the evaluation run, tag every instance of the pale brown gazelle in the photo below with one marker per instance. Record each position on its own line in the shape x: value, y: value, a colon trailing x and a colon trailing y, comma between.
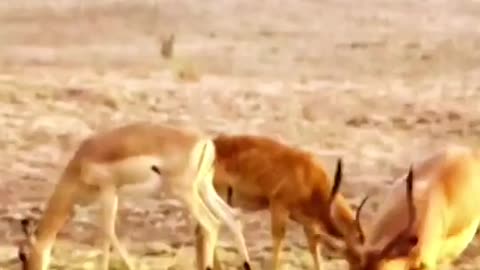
x: 143, y: 155
x: 256, y: 173
x: 426, y: 229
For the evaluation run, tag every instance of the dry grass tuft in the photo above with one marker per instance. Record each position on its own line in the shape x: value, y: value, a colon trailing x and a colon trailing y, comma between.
x: 185, y: 70
x: 167, y: 46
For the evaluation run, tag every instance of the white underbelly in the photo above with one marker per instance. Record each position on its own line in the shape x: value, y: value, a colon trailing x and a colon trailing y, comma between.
x: 135, y: 190
x: 150, y: 187
x: 135, y: 176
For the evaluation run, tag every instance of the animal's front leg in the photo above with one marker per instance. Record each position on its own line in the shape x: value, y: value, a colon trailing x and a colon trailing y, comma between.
x: 279, y: 218
x: 314, y: 246
x: 209, y: 227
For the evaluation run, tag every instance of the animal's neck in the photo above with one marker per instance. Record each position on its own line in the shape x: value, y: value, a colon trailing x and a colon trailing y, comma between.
x: 342, y: 216
x: 335, y: 224
x: 59, y: 209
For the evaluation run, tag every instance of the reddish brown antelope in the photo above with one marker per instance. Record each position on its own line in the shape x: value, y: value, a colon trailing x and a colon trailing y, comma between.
x: 255, y: 173
x: 151, y: 156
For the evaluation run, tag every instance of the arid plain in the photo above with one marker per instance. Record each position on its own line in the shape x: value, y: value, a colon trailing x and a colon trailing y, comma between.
x: 379, y: 83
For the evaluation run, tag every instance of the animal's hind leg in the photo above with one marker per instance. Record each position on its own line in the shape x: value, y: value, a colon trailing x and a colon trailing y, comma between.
x: 204, y: 185
x: 223, y: 212
x: 210, y: 226
x: 200, y: 247
x: 314, y: 247
x: 105, y: 241
x: 223, y: 189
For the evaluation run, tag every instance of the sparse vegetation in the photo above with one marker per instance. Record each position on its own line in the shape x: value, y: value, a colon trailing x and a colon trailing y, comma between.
x: 167, y: 46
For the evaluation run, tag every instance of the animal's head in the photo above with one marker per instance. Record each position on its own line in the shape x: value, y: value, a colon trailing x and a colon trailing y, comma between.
x: 26, y: 248
x: 363, y: 257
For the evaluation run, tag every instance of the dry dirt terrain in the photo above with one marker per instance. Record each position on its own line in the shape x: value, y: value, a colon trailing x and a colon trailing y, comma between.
x: 380, y: 83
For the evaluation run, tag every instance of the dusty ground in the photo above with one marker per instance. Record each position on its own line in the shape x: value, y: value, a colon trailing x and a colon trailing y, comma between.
x: 380, y: 83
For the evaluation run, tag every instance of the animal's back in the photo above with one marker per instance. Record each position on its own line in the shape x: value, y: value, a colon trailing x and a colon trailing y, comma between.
x: 261, y: 166
x: 171, y: 146
x: 136, y: 139
x: 229, y: 146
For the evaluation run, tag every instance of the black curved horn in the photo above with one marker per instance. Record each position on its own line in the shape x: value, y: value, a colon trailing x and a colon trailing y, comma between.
x: 337, y: 179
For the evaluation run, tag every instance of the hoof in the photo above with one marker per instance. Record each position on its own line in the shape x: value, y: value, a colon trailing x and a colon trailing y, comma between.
x: 246, y: 266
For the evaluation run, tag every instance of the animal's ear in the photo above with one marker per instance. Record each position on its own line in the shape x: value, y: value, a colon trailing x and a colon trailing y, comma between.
x: 25, y: 224
x: 403, y: 236
x: 28, y: 227
x: 22, y: 256
x: 410, y: 200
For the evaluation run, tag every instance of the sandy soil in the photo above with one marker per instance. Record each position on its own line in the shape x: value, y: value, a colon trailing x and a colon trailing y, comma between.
x: 380, y: 83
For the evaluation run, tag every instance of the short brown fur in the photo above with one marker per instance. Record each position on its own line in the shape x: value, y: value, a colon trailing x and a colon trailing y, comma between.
x: 446, y: 188
x: 132, y: 154
x: 262, y: 173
